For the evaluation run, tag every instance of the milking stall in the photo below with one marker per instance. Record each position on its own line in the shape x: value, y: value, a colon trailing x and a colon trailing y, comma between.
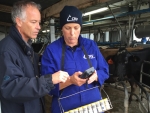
x: 120, y: 29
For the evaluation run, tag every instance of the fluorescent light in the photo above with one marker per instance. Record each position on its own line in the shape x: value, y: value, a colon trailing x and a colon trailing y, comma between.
x: 44, y: 31
x: 95, y: 11
x: 87, y: 23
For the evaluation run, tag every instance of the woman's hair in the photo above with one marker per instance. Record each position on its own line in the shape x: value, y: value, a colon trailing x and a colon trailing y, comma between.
x: 19, y: 7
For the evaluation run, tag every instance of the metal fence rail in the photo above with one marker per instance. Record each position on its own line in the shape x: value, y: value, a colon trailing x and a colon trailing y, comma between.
x: 145, y: 85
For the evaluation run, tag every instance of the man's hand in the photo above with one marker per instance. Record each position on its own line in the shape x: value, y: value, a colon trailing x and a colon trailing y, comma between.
x: 60, y: 76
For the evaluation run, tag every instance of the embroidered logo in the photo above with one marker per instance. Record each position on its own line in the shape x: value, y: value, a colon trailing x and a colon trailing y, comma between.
x: 90, y: 57
x: 6, y: 77
x: 72, y: 19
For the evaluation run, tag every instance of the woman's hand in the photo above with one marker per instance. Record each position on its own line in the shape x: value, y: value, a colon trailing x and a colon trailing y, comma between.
x: 74, y: 79
x: 93, y: 78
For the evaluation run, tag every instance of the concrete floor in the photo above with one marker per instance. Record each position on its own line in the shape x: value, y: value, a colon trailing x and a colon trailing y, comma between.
x: 117, y: 100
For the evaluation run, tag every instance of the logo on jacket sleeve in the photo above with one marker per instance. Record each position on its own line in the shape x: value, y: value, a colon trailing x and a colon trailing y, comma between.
x: 90, y: 57
x: 6, y: 77
x: 72, y: 19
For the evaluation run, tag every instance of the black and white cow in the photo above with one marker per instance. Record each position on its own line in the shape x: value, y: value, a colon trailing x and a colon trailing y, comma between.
x: 128, y: 65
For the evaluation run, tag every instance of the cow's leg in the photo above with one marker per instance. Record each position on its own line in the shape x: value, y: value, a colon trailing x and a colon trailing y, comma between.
x: 133, y: 88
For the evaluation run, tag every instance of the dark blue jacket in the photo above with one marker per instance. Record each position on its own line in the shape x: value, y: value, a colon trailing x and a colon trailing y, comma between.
x: 20, y: 88
x: 74, y: 61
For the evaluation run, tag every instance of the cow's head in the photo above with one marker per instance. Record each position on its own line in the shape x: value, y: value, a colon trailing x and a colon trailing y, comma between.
x: 118, y: 64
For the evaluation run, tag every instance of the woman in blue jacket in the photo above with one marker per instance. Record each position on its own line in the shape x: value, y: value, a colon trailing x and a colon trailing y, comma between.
x: 74, y: 54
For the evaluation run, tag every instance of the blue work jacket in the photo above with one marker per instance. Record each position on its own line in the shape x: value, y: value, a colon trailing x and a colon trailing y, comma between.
x: 74, y: 61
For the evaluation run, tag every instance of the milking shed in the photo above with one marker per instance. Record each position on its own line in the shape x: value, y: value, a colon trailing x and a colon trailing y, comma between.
x: 117, y: 26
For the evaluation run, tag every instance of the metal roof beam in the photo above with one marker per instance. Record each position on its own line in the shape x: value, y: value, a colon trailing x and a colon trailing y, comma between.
x: 56, y: 8
x: 4, y: 8
x: 5, y: 24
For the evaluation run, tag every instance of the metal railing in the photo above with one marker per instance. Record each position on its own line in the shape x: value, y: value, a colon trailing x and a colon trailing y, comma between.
x: 145, y: 85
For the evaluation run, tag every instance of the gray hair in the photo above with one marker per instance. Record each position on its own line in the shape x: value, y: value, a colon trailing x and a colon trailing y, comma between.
x: 18, y: 9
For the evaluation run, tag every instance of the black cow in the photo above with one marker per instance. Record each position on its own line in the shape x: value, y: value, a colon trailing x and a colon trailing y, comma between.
x: 128, y: 65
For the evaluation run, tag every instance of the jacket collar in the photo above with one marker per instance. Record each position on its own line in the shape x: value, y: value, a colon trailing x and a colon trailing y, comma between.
x: 80, y: 41
x: 16, y: 36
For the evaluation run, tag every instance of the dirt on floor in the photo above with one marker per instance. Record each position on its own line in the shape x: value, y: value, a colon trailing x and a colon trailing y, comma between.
x: 117, y: 97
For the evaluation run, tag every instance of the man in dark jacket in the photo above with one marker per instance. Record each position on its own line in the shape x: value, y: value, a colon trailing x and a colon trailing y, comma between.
x: 21, y: 87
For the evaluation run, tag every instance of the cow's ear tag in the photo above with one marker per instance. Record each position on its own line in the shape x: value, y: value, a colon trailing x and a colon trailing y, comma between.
x: 110, y: 61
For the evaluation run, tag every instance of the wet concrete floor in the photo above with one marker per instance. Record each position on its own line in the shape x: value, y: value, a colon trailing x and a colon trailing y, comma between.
x: 117, y: 100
